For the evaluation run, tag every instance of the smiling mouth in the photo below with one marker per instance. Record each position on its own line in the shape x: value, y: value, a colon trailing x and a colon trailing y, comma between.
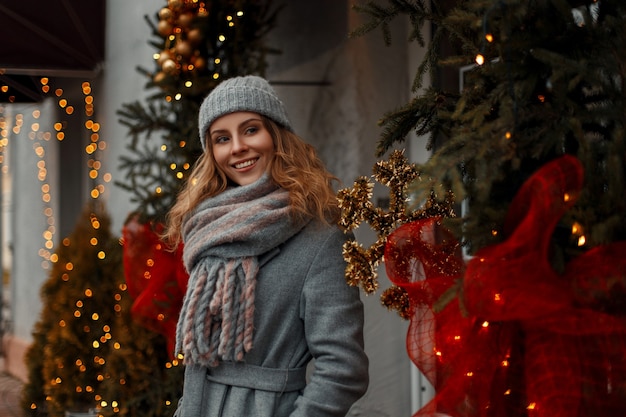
x: 245, y: 164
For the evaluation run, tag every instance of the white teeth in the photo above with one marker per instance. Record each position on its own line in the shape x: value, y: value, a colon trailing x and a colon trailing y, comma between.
x: 245, y: 164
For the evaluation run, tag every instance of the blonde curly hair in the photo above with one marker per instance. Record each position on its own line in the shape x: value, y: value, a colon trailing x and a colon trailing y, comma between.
x: 295, y: 167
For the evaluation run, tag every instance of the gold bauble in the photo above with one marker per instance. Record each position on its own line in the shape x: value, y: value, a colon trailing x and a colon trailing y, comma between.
x: 185, y: 19
x: 169, y: 66
x: 164, y: 55
x: 164, y: 28
x: 165, y: 14
x: 183, y: 48
x: 194, y: 36
x: 174, y: 4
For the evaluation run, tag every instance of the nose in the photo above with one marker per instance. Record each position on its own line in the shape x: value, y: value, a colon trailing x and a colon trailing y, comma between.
x: 239, y: 145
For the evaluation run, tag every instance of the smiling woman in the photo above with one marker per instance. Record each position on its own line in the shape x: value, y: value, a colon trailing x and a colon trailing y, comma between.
x: 266, y: 292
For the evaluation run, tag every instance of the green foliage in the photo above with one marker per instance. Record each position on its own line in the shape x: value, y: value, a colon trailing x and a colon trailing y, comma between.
x: 141, y: 380
x: 78, y: 314
x: 197, y: 48
x: 552, y: 83
x: 86, y: 346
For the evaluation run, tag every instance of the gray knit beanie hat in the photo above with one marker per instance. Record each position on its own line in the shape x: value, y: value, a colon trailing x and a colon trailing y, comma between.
x: 250, y: 93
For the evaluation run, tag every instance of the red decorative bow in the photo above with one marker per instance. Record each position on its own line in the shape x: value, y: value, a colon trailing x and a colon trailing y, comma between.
x: 532, y: 342
x: 156, y: 279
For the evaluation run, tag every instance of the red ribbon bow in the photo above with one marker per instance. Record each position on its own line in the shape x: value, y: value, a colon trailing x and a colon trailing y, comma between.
x: 533, y: 342
x: 156, y: 279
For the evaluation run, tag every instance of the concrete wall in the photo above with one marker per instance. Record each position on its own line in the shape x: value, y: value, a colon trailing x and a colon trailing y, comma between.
x: 335, y: 89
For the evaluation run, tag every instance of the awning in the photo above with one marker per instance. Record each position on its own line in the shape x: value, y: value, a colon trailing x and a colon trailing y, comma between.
x: 53, y: 38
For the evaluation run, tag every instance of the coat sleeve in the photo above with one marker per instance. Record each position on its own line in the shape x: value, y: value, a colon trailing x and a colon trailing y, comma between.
x: 333, y: 319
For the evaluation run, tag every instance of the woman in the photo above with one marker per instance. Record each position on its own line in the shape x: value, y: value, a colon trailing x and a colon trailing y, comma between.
x: 266, y: 293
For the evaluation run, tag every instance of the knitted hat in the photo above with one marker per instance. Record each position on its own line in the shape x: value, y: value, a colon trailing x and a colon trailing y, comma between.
x: 250, y: 93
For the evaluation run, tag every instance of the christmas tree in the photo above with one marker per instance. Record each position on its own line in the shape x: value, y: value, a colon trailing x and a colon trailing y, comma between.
x: 89, y: 354
x: 198, y: 44
x: 527, y: 178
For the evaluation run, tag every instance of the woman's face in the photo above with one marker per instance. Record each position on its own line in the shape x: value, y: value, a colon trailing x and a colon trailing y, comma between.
x: 242, y: 146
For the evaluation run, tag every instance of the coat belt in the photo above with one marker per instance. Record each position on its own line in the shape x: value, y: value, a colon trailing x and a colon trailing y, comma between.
x: 243, y: 375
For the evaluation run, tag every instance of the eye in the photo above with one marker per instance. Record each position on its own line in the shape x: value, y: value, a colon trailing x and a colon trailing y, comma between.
x: 220, y: 139
x: 250, y: 130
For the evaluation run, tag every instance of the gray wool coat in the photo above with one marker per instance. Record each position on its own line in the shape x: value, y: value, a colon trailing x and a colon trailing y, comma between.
x: 304, y: 310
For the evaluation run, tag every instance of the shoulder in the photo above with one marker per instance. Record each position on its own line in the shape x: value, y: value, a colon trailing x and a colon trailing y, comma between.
x: 316, y: 240
x: 317, y: 233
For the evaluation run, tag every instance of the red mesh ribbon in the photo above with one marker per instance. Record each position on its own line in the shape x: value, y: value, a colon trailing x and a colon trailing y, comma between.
x: 533, y: 342
x: 156, y: 279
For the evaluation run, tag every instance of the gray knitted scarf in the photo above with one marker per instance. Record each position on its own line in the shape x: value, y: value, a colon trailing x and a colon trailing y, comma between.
x: 223, y: 238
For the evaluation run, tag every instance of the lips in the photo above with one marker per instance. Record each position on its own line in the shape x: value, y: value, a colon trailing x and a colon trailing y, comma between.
x: 245, y: 164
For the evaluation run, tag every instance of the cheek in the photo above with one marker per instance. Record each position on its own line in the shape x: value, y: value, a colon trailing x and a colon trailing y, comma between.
x: 219, y: 156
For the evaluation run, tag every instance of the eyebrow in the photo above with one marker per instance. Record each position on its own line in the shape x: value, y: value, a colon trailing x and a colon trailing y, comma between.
x: 252, y: 119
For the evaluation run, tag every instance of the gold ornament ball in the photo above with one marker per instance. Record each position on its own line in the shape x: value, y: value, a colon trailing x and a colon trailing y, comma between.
x: 185, y: 19
x: 169, y: 66
x: 164, y: 55
x: 165, y: 14
x: 164, y: 28
x: 194, y: 36
x: 184, y: 49
x: 174, y: 4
